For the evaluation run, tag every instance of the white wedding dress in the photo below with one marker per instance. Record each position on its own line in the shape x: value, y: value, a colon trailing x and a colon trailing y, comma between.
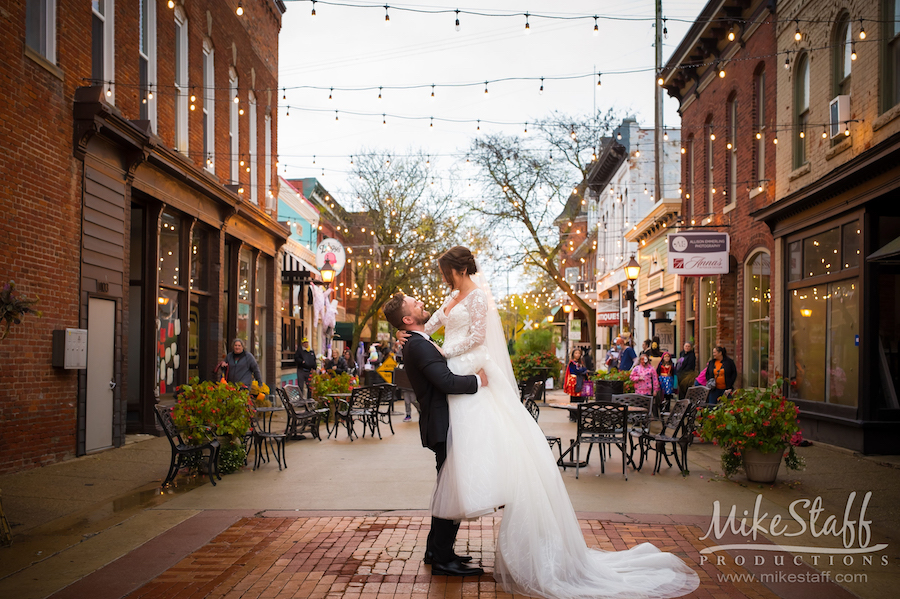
x: 497, y: 455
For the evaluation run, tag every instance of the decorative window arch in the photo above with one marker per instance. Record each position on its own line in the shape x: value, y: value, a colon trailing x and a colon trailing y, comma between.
x: 757, y: 297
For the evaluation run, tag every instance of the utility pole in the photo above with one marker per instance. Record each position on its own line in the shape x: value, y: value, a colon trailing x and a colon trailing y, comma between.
x: 658, y: 105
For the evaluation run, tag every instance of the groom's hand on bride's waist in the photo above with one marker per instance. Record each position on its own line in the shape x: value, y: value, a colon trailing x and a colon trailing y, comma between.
x: 481, y: 375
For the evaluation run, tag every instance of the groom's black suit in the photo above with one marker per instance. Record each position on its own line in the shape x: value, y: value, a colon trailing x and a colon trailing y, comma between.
x: 432, y: 382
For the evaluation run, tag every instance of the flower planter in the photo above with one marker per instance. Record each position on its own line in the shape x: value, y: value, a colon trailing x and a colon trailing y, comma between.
x: 604, y: 390
x: 762, y: 467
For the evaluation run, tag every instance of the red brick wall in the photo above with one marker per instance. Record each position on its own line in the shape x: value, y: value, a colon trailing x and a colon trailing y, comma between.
x: 40, y: 182
x: 747, y: 235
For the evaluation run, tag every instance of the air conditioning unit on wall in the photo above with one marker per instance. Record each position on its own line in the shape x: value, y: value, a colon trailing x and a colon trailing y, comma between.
x: 839, y: 111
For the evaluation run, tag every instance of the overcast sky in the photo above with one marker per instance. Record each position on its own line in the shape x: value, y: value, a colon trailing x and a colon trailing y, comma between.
x: 345, y: 47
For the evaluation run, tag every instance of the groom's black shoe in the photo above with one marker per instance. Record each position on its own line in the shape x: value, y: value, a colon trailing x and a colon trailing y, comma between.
x: 429, y: 558
x: 455, y: 568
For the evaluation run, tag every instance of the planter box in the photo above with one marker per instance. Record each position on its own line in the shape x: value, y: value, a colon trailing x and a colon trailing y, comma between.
x: 604, y: 390
x: 762, y: 467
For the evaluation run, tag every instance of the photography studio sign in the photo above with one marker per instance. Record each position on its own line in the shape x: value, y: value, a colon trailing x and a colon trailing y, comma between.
x: 694, y: 254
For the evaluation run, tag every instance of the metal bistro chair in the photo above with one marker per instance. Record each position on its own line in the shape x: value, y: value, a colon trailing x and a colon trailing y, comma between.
x: 638, y: 420
x: 676, y: 435
x: 604, y: 423
x: 535, y: 411
x: 361, y: 406
x: 260, y: 436
x: 697, y: 396
x: 181, y: 450
x: 388, y: 394
x: 302, y: 416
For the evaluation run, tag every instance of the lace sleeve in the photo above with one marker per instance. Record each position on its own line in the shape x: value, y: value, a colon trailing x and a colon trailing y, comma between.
x: 437, y: 319
x: 476, y: 304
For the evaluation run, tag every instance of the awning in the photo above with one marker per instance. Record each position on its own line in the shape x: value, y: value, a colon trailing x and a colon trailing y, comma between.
x: 292, y: 262
x: 343, y: 331
x: 657, y: 303
x: 889, y: 254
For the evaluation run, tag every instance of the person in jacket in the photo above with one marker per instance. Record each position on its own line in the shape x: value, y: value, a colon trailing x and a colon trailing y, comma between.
x: 242, y: 366
x: 686, y: 369
x: 646, y: 382
x: 345, y: 363
x: 626, y: 354
x: 305, y: 361
x: 723, y: 372
x: 575, y: 371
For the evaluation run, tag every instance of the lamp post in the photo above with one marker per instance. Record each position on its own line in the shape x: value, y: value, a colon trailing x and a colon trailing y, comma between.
x: 327, y: 272
x: 632, y: 271
x: 567, y: 309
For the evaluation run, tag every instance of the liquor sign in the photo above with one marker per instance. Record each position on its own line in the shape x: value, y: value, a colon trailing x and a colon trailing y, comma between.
x: 698, y: 254
x: 332, y: 251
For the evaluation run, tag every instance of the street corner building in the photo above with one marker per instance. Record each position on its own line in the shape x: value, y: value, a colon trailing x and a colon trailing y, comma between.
x: 791, y: 146
x: 139, y: 193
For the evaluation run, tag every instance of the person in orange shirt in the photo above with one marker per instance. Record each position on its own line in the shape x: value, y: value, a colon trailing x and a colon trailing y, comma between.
x: 723, y: 372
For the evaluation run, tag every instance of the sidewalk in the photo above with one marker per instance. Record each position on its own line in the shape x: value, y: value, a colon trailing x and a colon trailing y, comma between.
x: 347, y: 520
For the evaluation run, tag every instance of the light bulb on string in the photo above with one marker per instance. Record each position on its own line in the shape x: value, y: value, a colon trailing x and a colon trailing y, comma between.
x: 457, y: 20
x: 862, y: 30
x: 731, y: 34
x: 379, y: 93
x: 240, y: 9
x: 171, y: 4
x: 431, y: 125
x: 660, y: 81
x: 432, y: 91
x: 847, y: 129
x: 336, y: 115
x: 598, y: 79
x: 150, y: 93
x: 824, y: 132
x: 478, y: 123
x: 485, y: 88
x: 596, y: 27
x: 853, y: 51
x: 387, y: 17
x: 787, y: 62
x: 541, y: 91
x: 384, y: 121
x: 797, y: 35
x: 527, y: 26
x: 330, y: 93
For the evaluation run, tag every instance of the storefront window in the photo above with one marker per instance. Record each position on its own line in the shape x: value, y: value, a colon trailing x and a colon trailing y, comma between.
x: 168, y: 335
x: 821, y: 253
x: 795, y: 270
x: 690, y: 311
x: 199, y: 244
x: 709, y: 304
x: 244, y: 275
x: 851, y: 245
x: 259, y: 323
x: 169, y: 249
x: 758, y: 293
x: 195, y: 335
x: 824, y: 352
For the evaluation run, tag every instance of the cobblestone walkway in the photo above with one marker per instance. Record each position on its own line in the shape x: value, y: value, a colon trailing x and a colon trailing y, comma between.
x: 381, y: 558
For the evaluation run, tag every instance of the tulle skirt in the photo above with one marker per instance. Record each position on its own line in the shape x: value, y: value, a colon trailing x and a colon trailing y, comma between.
x: 498, y: 455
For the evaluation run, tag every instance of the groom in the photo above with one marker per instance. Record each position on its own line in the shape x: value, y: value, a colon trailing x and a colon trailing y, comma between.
x: 432, y: 381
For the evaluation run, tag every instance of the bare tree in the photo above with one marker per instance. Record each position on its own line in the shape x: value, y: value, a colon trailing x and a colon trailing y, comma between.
x: 405, y: 221
x: 532, y: 191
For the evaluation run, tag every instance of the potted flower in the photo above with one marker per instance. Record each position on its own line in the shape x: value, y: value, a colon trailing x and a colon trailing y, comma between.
x: 756, y: 428
x: 612, y: 382
x: 217, y: 408
x: 535, y: 363
x: 259, y: 394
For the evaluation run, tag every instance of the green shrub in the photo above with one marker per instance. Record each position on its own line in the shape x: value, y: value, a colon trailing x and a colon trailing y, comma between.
x: 210, y: 408
x: 535, y: 340
x: 526, y: 365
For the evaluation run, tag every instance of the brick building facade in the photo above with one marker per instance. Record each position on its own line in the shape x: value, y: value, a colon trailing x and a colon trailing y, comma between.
x: 122, y: 147
x: 723, y: 74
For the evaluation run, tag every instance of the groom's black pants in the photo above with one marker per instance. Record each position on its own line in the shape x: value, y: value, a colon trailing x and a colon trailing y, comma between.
x: 443, y: 532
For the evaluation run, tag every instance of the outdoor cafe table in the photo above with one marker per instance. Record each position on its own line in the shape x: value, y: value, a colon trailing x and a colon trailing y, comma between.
x: 573, y: 411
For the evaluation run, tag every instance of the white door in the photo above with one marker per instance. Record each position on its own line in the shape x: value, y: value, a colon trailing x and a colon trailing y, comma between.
x: 100, y: 382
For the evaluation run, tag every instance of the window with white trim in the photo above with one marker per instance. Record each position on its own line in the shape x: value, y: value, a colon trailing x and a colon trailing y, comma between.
x: 40, y: 27
x: 147, y: 58
x: 252, y: 152
x: 103, y: 46
x: 757, y: 295
x: 181, y: 81
x: 233, y: 126
x: 270, y: 195
x: 760, y: 165
x: 801, y: 109
x: 209, y: 106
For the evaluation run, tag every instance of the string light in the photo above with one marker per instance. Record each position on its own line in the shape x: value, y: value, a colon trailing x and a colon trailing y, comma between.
x: 824, y: 132
x: 387, y: 17
x: 853, y: 51
x: 240, y: 9
x: 384, y: 121
x: 862, y: 30
x: 171, y: 4
x: 660, y: 81
x: 731, y: 34
x: 598, y: 79
x: 541, y: 91
x: 797, y: 35
x: 787, y: 62
x: 313, y: 13
x: 457, y: 19
x: 527, y: 26
x: 665, y: 135
x: 330, y: 93
x: 596, y: 27
x: 485, y: 88
x: 432, y: 91
x: 847, y: 129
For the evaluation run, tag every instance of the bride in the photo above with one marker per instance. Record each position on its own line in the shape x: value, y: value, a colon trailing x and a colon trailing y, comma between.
x: 497, y: 455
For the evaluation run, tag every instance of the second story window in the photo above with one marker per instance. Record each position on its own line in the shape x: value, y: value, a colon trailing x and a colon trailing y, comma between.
x: 731, y: 153
x: 102, y: 47
x: 760, y: 133
x: 891, y: 52
x: 181, y: 81
x: 801, y: 109
x: 842, y: 49
x: 40, y: 27
x: 252, y: 152
x: 147, y: 61
x: 209, y: 106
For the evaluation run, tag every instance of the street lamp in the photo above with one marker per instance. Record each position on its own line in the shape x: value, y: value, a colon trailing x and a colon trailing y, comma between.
x: 327, y: 272
x: 632, y: 271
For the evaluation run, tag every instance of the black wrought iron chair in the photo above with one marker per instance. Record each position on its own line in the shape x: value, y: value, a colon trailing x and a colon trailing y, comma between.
x: 302, y: 416
x: 674, y: 440
x: 182, y: 452
x: 638, y: 420
x: 602, y: 423
x: 271, y: 440
x: 362, y: 406
x: 535, y: 411
x: 388, y: 394
x: 697, y: 395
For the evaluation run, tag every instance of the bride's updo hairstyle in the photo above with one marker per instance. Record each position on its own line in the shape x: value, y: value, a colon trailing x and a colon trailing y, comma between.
x: 458, y: 259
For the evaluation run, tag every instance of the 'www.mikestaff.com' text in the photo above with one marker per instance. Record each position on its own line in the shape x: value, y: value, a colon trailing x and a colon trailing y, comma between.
x: 801, y: 577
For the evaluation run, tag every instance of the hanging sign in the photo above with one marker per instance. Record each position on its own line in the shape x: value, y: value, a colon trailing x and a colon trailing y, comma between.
x: 698, y: 254
x: 331, y: 251
x: 608, y: 313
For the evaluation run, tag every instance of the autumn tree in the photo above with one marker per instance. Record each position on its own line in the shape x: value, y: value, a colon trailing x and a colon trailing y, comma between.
x: 531, y: 184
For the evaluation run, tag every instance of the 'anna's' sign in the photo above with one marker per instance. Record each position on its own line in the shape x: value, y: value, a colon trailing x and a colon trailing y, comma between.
x: 698, y: 254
